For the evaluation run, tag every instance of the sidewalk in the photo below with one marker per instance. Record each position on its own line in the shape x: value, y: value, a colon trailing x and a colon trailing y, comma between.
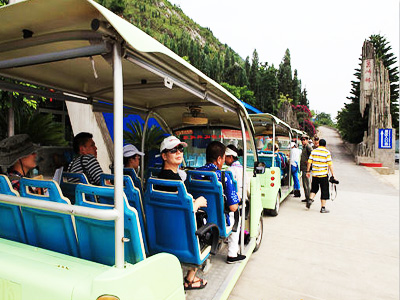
x: 392, y: 179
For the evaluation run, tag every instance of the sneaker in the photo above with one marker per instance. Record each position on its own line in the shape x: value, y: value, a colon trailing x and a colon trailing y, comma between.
x: 238, y: 258
x: 324, y: 210
x: 309, y: 202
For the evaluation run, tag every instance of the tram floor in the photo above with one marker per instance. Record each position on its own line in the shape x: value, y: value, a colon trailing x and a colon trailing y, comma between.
x: 218, y: 275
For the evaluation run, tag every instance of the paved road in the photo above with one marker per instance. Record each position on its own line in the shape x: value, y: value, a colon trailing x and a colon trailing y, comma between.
x: 351, y: 253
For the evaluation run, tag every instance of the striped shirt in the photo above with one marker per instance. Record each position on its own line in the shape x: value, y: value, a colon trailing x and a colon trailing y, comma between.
x: 320, y: 159
x: 88, y: 165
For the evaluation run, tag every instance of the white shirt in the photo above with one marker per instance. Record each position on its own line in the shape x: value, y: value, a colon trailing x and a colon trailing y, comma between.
x: 295, y: 156
x: 237, y: 170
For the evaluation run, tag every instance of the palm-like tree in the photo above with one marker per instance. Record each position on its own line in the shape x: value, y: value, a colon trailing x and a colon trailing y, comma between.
x: 154, y: 136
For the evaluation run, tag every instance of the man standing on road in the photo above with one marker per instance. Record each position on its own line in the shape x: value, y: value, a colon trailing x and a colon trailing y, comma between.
x: 321, y: 162
x: 305, y: 154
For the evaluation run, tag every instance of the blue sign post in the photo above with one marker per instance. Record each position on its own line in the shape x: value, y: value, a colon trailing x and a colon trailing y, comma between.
x: 385, y: 138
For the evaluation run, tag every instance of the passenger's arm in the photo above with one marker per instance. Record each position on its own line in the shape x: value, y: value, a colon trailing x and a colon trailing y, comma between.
x: 233, y: 207
x: 199, y: 202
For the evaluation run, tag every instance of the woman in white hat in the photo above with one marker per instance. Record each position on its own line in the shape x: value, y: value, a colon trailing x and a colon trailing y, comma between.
x: 18, y: 155
x: 171, y: 150
x: 132, y: 157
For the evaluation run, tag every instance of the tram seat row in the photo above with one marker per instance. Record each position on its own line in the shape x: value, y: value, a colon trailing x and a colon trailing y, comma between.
x: 78, y: 236
x: 206, y: 184
x: 171, y: 214
x: 266, y: 158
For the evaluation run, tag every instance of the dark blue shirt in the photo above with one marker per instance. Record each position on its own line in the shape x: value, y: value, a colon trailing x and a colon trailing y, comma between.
x: 229, y: 190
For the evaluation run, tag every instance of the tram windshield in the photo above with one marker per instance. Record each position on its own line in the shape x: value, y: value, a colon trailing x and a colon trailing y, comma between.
x: 198, y: 138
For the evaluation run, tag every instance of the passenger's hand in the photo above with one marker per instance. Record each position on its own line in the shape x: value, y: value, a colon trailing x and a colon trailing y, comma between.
x: 201, y: 202
x: 308, y: 174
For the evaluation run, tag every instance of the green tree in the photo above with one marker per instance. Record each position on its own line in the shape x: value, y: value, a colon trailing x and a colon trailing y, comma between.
x: 154, y: 136
x: 285, y: 76
x: 254, y: 75
x: 323, y: 119
x: 241, y: 92
x: 296, y: 84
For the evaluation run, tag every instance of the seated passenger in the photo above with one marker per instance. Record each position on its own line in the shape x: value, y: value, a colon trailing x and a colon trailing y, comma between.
x: 86, y: 159
x: 232, y: 161
x: 215, y: 155
x: 281, y: 157
x: 132, y: 157
x: 172, y: 155
x: 18, y: 155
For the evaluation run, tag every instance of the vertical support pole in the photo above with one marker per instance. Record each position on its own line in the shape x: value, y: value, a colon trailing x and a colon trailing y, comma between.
x: 11, y: 119
x: 273, y: 143
x: 118, y: 155
x: 244, y: 178
x: 144, y: 131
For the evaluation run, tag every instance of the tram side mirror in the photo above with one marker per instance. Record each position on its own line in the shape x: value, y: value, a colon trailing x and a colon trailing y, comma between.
x: 259, y: 168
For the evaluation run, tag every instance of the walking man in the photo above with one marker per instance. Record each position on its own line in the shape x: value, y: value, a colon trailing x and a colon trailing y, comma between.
x: 321, y: 162
x: 305, y: 154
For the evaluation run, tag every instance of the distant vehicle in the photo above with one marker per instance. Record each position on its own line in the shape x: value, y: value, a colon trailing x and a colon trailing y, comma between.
x: 396, y: 157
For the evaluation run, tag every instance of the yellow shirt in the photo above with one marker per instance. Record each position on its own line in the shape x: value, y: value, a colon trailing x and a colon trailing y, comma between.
x: 320, y: 159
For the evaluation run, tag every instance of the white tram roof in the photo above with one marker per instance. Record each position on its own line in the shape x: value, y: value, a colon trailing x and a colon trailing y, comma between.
x: 56, y: 24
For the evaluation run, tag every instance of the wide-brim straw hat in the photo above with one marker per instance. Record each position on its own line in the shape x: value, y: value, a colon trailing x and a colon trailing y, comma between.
x: 15, y: 147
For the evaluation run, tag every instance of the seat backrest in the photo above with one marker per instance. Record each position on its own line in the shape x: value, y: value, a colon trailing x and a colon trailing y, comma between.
x: 11, y: 224
x: 132, y: 195
x: 136, y: 180
x: 171, y: 225
x: 68, y: 184
x: 266, y: 157
x: 96, y: 237
x: 235, y: 184
x: 206, y: 184
x: 45, y: 229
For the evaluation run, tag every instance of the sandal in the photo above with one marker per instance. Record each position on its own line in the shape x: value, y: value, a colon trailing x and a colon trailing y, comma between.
x: 189, y: 285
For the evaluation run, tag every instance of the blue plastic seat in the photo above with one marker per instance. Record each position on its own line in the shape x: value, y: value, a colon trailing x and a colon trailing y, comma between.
x: 11, y: 224
x: 68, y: 184
x: 136, y: 180
x: 96, y: 237
x: 206, y: 184
x: 171, y: 224
x: 46, y: 229
x: 235, y: 184
x: 132, y: 195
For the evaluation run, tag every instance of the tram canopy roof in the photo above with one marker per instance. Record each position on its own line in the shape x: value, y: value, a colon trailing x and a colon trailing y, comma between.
x: 263, y: 124
x: 154, y: 77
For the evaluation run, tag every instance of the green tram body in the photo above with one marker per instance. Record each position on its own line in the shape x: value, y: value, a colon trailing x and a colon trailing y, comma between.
x: 87, y: 54
x: 276, y: 183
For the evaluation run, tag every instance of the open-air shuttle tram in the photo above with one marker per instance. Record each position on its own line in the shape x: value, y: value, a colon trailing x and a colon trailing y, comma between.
x: 84, y: 53
x: 276, y: 181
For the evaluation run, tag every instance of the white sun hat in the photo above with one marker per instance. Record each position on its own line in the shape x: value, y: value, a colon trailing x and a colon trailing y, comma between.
x: 171, y: 142
x: 130, y: 150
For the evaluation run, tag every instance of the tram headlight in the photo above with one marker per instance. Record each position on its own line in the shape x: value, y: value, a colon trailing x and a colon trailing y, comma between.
x: 107, y: 297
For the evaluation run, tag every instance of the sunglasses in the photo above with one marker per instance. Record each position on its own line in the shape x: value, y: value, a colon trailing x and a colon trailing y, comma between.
x: 176, y: 149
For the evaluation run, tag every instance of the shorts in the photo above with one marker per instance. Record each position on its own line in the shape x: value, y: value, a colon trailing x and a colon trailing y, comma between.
x: 323, y: 183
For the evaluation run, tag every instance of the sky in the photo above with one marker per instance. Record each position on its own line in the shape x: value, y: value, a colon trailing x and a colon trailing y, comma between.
x: 325, y: 38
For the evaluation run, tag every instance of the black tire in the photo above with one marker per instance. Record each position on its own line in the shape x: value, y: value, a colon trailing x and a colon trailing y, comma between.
x: 260, y: 234
x: 274, y: 212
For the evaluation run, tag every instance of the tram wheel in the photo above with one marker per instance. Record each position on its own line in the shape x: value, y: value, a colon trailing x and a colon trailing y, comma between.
x: 259, y: 234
